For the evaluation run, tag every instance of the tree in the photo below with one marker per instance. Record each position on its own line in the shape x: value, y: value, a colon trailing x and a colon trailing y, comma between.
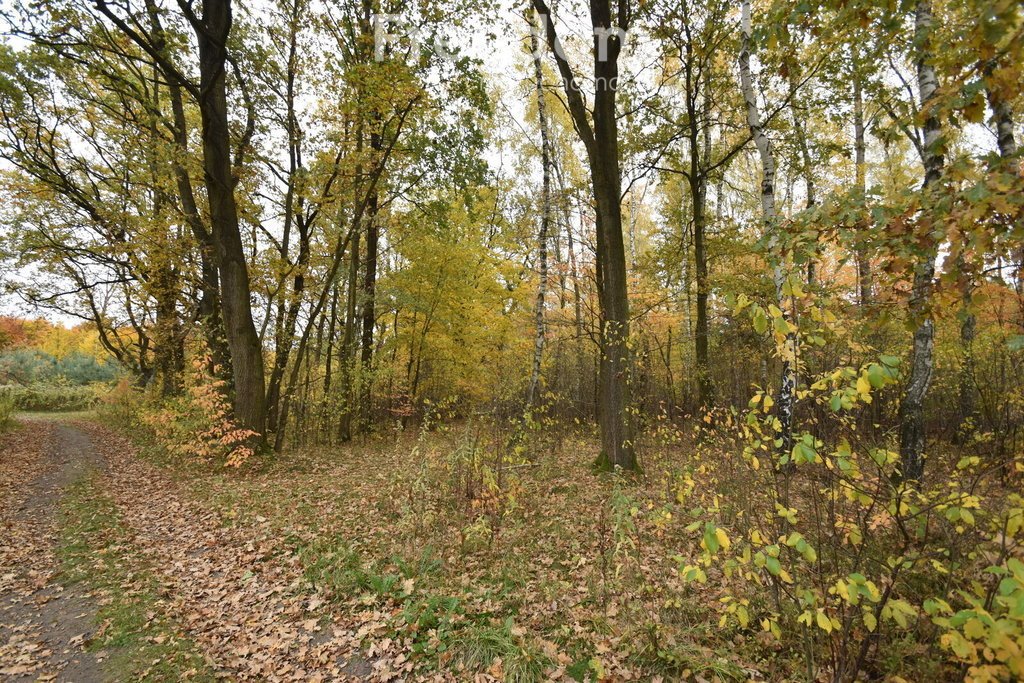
x: 787, y: 384
x: 864, y: 283
x: 533, y: 389
x: 598, y: 132
x: 212, y: 28
x: 212, y: 31
x: 696, y: 35
x: 912, y: 427
x: 91, y: 196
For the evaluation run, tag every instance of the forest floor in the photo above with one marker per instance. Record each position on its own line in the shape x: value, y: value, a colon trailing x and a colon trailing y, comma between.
x: 108, y: 571
x: 44, y: 625
x: 400, y: 557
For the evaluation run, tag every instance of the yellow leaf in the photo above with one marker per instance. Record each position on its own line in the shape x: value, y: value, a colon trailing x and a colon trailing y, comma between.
x: 723, y: 539
x: 974, y: 628
x: 823, y: 622
x: 870, y: 621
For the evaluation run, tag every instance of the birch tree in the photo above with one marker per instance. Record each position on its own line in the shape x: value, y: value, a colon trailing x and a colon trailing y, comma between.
x: 532, y: 392
x: 787, y: 385
x: 912, y: 427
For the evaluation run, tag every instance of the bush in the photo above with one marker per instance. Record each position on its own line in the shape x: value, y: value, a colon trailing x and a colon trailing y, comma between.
x: 81, y: 369
x: 6, y: 409
x: 31, y: 366
x: 198, y: 424
x: 827, y: 549
x: 44, y: 398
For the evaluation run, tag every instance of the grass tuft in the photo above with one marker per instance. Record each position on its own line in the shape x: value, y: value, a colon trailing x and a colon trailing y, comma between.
x: 483, y: 647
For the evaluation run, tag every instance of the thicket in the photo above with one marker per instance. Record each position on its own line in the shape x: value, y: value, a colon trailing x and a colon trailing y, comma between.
x: 33, y: 366
x: 52, y: 398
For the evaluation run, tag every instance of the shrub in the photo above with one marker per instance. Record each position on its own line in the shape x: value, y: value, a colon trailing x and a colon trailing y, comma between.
x: 826, y: 549
x: 46, y: 398
x: 25, y: 366
x: 121, y: 406
x: 6, y: 410
x: 198, y: 424
x: 80, y: 369
x: 31, y: 366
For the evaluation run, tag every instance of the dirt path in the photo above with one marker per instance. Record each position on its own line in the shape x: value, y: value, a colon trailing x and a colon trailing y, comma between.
x: 44, y: 626
x: 232, y: 591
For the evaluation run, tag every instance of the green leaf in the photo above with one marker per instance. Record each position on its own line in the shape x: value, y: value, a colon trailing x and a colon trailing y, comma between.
x: 876, y: 375
x: 710, y: 538
x: 760, y: 320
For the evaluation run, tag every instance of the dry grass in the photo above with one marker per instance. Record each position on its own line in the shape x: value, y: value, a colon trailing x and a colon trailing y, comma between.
x: 581, y: 562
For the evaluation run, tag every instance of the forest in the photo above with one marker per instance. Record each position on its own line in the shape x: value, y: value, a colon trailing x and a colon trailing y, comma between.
x: 632, y: 340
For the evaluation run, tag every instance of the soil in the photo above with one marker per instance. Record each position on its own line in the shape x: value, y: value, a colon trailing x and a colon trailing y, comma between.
x: 45, y: 627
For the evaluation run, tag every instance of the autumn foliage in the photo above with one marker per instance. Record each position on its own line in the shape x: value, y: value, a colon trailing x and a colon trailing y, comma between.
x: 695, y: 350
x: 198, y: 425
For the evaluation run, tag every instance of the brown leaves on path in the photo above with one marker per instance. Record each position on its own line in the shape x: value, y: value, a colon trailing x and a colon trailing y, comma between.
x: 43, y: 625
x: 234, y: 591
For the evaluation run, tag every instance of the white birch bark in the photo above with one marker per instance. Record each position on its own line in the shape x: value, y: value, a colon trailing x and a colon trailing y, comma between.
x: 922, y: 361
x: 533, y: 392
x: 784, y: 400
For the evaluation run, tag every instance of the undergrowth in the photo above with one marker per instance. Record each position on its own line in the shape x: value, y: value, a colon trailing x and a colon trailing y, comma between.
x: 51, y: 398
x: 441, y: 629
x: 475, y: 558
x: 6, y: 411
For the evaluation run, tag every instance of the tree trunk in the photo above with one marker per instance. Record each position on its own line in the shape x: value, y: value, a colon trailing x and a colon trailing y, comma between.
x: 601, y: 142
x: 287, y: 316
x: 243, y: 342
x: 318, y: 306
x: 1002, y: 117
x: 580, y: 369
x: 346, y: 352
x: 369, y: 311
x: 912, y: 404
x: 163, y: 278
x: 208, y: 309
x: 533, y: 390
x: 705, y: 385
x: 787, y: 385
x: 698, y: 185
x: 616, y: 426
x: 968, y: 327
x: 170, y: 349
x: 860, y: 183
x: 806, y: 163
x: 332, y: 327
